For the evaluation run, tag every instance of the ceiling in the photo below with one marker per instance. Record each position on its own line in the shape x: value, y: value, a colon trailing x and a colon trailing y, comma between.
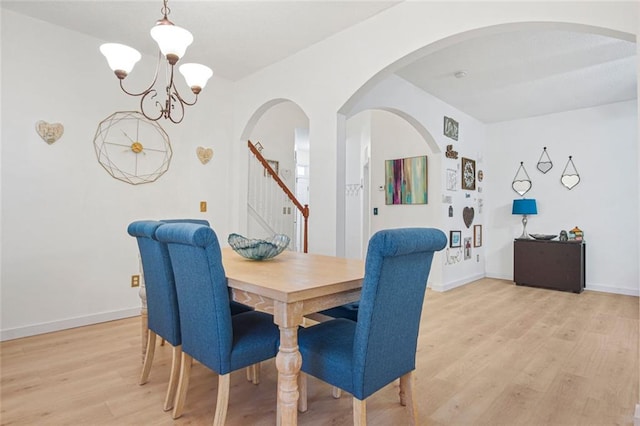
x: 508, y: 76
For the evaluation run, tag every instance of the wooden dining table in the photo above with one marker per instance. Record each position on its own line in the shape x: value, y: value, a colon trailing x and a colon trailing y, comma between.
x: 291, y: 286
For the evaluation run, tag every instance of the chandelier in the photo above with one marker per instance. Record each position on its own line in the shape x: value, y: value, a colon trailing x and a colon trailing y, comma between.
x: 173, y: 42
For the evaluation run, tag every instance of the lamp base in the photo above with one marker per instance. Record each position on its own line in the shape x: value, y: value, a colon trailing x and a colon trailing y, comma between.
x: 524, y: 235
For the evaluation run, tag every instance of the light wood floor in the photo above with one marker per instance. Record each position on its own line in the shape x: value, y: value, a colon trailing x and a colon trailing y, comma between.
x: 490, y: 353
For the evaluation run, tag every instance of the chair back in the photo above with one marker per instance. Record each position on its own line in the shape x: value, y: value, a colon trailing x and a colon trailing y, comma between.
x: 396, y: 272
x: 162, y: 303
x: 203, y: 295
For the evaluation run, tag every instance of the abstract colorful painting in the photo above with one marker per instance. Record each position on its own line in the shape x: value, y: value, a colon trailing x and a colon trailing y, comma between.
x: 406, y: 181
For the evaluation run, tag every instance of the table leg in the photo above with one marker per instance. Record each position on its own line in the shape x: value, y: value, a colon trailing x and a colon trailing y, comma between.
x: 288, y: 361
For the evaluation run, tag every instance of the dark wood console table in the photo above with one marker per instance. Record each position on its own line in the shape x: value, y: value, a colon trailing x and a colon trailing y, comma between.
x: 558, y: 265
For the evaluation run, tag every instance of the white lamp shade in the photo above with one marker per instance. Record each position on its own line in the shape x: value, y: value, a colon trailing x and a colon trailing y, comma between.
x: 196, y: 75
x: 171, y: 39
x: 120, y: 57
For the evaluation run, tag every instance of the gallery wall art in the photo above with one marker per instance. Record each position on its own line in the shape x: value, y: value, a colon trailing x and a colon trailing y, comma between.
x: 406, y: 181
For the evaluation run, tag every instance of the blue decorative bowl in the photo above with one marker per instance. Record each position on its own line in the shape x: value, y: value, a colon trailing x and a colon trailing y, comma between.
x: 255, y: 249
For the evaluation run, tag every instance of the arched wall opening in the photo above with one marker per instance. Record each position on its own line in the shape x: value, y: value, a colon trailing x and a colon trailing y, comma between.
x: 372, y: 137
x: 350, y: 106
x: 281, y: 129
x: 385, y: 90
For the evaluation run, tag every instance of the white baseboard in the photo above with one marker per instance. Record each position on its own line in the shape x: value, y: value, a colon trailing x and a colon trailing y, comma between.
x: 500, y: 276
x: 616, y: 290
x: 636, y: 417
x: 48, y: 327
x: 440, y: 287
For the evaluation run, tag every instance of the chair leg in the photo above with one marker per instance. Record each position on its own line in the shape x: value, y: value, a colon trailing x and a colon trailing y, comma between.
x: 336, y: 392
x: 148, y: 357
x: 173, y: 378
x: 359, y: 412
x: 183, y: 385
x: 222, y: 402
x: 407, y: 397
x: 302, y: 391
x: 255, y: 368
x: 253, y: 373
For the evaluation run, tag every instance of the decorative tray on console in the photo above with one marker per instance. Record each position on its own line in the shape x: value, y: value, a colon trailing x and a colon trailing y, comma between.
x: 543, y: 236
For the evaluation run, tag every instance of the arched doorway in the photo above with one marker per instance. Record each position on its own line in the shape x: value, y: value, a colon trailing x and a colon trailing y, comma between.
x: 279, y: 129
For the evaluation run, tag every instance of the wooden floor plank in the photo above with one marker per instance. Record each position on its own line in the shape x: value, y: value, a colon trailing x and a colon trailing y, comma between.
x: 488, y: 353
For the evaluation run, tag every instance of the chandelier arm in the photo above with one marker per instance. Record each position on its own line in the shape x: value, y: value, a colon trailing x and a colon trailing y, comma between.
x: 181, y: 104
x: 144, y: 96
x: 177, y: 94
x: 150, y: 87
x: 175, y: 91
x: 172, y: 98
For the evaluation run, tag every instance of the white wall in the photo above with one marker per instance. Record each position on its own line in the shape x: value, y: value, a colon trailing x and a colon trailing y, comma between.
x: 358, y: 142
x: 603, y: 142
x: 322, y: 78
x: 393, y: 138
x: 424, y: 114
x: 66, y: 257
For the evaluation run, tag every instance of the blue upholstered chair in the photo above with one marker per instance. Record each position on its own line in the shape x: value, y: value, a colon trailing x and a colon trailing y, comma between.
x: 162, y: 305
x: 364, y: 356
x: 210, y: 334
x: 236, y: 308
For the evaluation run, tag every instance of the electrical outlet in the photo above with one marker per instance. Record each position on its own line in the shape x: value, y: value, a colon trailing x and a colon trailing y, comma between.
x: 135, y: 280
x: 203, y: 206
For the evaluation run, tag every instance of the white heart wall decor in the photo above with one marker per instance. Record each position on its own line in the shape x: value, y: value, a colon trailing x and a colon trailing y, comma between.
x: 521, y: 186
x: 204, y: 154
x: 49, y: 132
x: 569, y: 181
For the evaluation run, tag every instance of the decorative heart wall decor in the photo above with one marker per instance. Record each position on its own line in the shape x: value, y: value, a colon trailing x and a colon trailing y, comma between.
x: 467, y: 216
x: 569, y: 181
x: 521, y: 186
x: 544, y: 163
x: 570, y: 176
x: 204, y: 154
x: 49, y: 132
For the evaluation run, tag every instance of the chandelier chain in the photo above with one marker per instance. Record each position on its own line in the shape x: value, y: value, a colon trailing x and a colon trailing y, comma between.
x: 165, y: 9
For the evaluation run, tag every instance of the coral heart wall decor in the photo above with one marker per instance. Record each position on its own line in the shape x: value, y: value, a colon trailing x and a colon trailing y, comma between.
x: 467, y: 216
x: 49, y: 132
x: 204, y: 154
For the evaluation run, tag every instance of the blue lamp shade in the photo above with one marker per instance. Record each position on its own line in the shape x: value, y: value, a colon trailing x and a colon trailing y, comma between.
x: 524, y: 206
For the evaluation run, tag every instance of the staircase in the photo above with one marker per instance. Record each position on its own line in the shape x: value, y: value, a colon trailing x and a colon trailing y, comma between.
x: 272, y: 205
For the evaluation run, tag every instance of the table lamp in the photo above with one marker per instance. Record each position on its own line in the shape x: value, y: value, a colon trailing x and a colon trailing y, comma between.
x: 524, y: 207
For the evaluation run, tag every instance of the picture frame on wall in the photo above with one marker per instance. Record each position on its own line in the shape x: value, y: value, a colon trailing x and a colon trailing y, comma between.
x: 406, y: 181
x: 477, y: 235
x: 468, y: 174
x: 455, y: 239
x: 275, y: 165
x: 467, y: 248
x: 450, y: 128
x: 452, y: 180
